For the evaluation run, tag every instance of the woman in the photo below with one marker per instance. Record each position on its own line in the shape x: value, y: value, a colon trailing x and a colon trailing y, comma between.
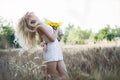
x: 27, y: 28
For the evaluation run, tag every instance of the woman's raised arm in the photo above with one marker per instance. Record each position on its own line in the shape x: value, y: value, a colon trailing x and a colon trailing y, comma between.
x: 51, y: 37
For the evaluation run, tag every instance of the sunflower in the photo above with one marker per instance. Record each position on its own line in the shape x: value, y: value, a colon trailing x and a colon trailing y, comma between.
x: 54, y: 25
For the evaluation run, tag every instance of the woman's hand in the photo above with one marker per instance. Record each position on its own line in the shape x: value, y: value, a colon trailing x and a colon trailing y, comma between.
x: 44, y: 45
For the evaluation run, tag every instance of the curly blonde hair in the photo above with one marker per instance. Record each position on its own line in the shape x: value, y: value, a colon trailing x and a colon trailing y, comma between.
x: 25, y: 34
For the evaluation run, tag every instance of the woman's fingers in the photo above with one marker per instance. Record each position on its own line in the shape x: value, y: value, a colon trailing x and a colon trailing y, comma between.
x: 45, y: 47
x: 42, y: 44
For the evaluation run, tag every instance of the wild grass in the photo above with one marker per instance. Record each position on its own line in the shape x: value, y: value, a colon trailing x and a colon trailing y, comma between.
x: 84, y: 62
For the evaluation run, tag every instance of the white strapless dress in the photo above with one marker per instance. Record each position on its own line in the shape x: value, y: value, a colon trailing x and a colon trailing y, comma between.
x: 53, y: 52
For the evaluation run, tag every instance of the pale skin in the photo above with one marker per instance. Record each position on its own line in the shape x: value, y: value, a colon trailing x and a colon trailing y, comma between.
x: 54, y: 66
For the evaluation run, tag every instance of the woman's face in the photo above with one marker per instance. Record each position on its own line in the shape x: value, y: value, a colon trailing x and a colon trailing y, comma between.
x: 31, y: 18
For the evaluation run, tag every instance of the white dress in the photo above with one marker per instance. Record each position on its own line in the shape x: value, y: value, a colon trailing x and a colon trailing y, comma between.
x: 53, y: 52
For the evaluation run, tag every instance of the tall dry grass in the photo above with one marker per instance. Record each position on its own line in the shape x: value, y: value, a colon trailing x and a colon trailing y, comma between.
x: 84, y: 62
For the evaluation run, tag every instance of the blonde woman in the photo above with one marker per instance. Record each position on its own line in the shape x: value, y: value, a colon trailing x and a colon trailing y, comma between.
x: 27, y: 28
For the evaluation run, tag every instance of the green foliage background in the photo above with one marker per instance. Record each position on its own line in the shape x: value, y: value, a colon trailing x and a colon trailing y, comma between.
x: 107, y: 33
x: 6, y: 34
x: 71, y: 35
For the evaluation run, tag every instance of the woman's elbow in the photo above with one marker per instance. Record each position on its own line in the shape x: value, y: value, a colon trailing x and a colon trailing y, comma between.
x: 52, y: 40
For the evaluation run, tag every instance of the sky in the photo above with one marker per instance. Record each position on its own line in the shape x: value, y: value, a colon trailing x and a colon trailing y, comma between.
x: 88, y: 14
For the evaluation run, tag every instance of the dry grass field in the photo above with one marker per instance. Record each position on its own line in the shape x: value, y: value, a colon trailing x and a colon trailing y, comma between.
x: 99, y: 61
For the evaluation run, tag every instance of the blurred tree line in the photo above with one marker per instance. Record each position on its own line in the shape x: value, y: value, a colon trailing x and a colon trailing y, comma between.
x: 6, y: 34
x: 72, y: 34
x: 76, y: 35
x: 108, y: 33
